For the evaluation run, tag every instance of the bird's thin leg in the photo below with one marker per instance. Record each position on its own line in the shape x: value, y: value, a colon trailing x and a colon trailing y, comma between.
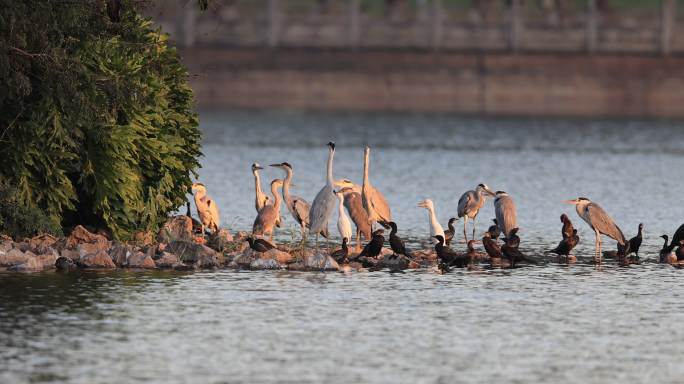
x: 473, y: 228
x: 465, y: 223
x: 358, y: 240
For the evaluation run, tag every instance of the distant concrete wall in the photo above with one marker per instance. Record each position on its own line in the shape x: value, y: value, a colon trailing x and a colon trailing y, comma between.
x: 478, y: 83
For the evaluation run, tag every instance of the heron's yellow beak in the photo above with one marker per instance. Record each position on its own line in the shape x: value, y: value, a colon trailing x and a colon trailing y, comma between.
x: 573, y: 202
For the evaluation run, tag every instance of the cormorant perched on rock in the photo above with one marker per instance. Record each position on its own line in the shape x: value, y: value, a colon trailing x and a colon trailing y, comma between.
x: 567, y: 244
x: 374, y: 246
x: 635, y: 242
x: 449, y: 233
x: 666, y: 255
x: 260, y: 245
x: 448, y: 256
x: 340, y: 255
x: 568, y: 229
x: 494, y: 230
x: 510, y: 247
x: 396, y: 243
x: 491, y: 246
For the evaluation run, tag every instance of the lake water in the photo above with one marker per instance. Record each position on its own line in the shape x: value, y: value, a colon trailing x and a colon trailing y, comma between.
x: 544, y: 323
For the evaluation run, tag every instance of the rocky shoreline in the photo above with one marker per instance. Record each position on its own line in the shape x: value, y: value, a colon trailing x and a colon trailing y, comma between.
x: 176, y: 248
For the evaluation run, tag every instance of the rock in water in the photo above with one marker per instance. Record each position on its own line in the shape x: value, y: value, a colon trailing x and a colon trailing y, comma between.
x: 37, y: 263
x: 12, y: 257
x: 90, y: 248
x: 100, y: 260
x: 168, y: 260
x: 141, y: 260
x: 119, y: 254
x: 81, y: 235
x: 189, y: 252
x: 320, y: 262
x: 220, y: 240
x: 65, y: 264
x: 40, y: 244
x: 264, y: 264
x: 177, y: 228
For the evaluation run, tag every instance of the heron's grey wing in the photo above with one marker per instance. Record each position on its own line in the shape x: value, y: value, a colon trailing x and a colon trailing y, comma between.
x: 300, y: 210
x: 463, y: 203
x: 506, y: 215
x: 380, y: 205
x: 321, y: 209
x: 603, y: 223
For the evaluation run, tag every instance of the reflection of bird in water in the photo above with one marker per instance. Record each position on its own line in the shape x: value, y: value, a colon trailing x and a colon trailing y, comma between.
x: 373, y: 200
x: 469, y: 205
x: 269, y: 214
x: 449, y: 233
x: 599, y: 221
x: 396, y: 243
x: 435, y: 228
x: 354, y: 205
x: 206, y: 208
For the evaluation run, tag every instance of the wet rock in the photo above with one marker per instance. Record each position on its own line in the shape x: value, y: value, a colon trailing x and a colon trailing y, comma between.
x: 189, y: 252
x: 395, y: 262
x: 320, y: 262
x: 221, y: 240
x: 141, y: 260
x: 241, y: 236
x: 298, y: 266
x: 167, y: 260
x: 40, y: 244
x: 258, y: 264
x: 90, y: 248
x: 36, y: 263
x: 23, y: 246
x: 243, y: 260
x: 99, y: 260
x: 81, y: 235
x: 206, y: 261
x: 72, y: 254
x: 280, y: 256
x: 65, y: 264
x: 120, y: 253
x: 13, y: 257
x: 177, y: 228
x: 6, y: 245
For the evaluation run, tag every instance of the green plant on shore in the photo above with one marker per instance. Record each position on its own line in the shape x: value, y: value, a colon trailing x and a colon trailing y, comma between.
x: 22, y: 221
x: 96, y: 119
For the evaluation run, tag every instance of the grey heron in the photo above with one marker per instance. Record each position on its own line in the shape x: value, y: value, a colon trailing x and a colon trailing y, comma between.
x: 435, y: 228
x: 506, y: 217
x: 269, y: 214
x: 260, y: 198
x: 449, y: 233
x: 206, y: 208
x: 373, y: 200
x: 358, y: 214
x: 598, y: 220
x: 470, y: 203
x: 324, y: 203
x: 343, y: 223
x: 396, y: 243
x: 298, y: 207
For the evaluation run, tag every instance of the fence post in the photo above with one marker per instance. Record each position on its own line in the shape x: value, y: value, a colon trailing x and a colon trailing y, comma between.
x: 437, y: 27
x: 516, y: 25
x: 354, y: 26
x: 273, y: 22
x: 592, y: 25
x: 668, y: 12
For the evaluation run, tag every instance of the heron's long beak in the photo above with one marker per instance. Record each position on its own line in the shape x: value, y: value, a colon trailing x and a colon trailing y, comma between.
x: 421, y: 204
x: 272, y: 165
x: 491, y: 193
x: 573, y: 202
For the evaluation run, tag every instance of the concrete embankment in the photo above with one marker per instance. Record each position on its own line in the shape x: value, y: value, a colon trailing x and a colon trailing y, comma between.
x: 471, y: 83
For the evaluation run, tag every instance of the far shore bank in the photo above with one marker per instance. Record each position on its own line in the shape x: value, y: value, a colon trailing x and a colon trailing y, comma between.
x: 490, y: 84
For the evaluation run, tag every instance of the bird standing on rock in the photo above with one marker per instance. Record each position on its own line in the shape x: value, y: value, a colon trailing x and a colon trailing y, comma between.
x: 567, y: 229
x: 260, y: 198
x: 358, y: 214
x: 506, y: 216
x: 435, y: 227
x: 373, y: 200
x: 448, y: 256
x: 396, y: 243
x: 599, y: 221
x: 269, y: 214
x: 449, y: 233
x: 298, y: 207
x: 491, y: 246
x: 260, y: 245
x: 510, y: 248
x: 206, y: 208
x: 494, y: 230
x: 566, y: 245
x: 324, y: 203
x: 343, y: 223
x: 340, y: 255
x: 469, y: 205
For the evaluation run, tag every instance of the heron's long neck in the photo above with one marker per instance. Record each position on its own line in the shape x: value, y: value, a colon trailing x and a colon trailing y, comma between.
x: 286, y: 185
x: 366, y: 159
x: 331, y: 154
x: 276, y: 197
x: 433, y: 218
x: 199, y: 198
x: 341, y: 205
x: 257, y: 184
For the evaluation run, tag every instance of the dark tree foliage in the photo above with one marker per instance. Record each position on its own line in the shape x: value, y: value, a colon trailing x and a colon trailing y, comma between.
x: 96, y: 119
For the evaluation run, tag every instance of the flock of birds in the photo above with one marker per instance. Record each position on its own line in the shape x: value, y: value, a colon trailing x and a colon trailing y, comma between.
x: 367, y: 208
